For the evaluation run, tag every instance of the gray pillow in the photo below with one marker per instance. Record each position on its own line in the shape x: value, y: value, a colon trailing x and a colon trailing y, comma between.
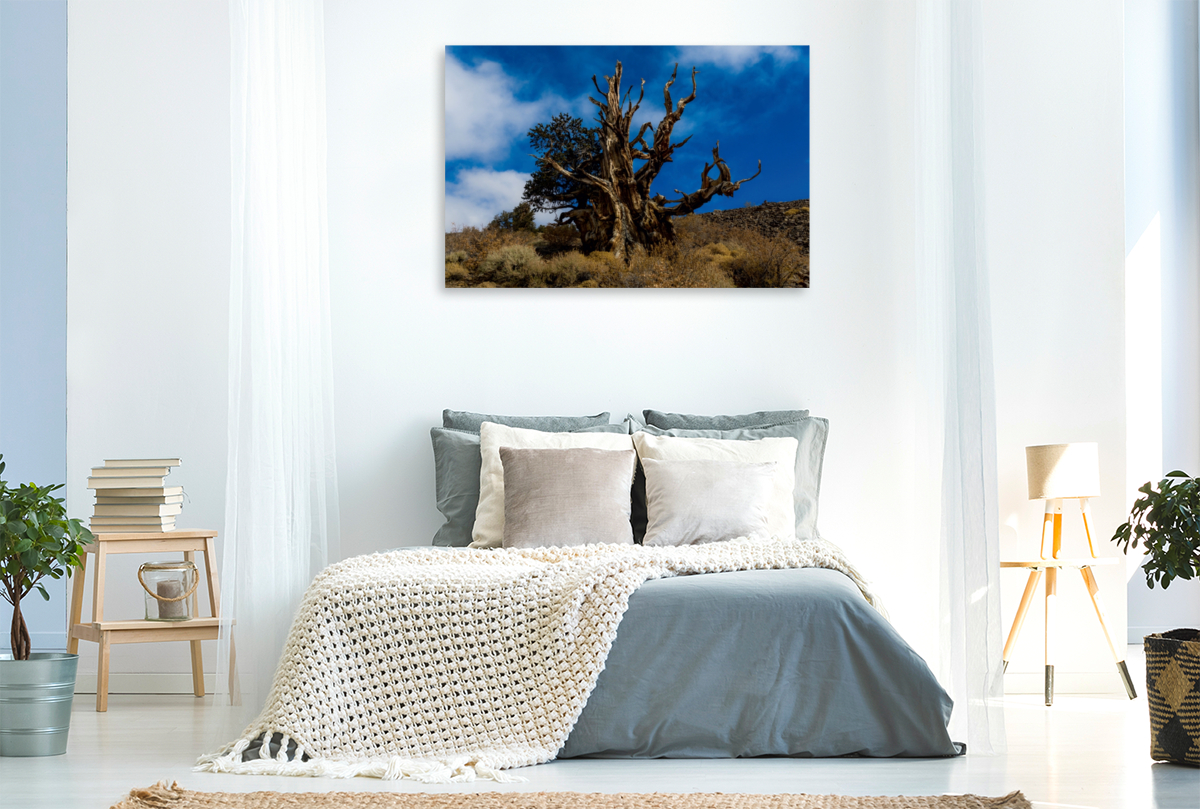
x: 565, y: 497
x: 811, y: 433
x: 456, y: 464
x: 695, y: 501
x: 685, y: 421
x: 463, y: 420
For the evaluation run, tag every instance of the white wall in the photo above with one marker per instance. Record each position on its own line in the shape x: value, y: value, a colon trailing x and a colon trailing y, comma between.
x: 144, y: 93
x: 1053, y: 99
x: 1162, y: 240
x: 148, y: 247
x: 406, y: 347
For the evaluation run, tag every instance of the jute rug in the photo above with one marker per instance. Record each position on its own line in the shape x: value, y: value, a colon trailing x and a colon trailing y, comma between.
x: 162, y: 796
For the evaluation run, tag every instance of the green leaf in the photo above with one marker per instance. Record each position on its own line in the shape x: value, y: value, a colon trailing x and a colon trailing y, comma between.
x: 1166, y: 522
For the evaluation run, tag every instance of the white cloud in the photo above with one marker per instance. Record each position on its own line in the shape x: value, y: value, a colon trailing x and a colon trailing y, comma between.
x: 735, y: 57
x: 479, y: 194
x: 483, y: 114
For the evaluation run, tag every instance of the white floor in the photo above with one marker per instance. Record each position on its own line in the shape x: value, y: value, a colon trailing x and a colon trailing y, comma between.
x: 1082, y: 752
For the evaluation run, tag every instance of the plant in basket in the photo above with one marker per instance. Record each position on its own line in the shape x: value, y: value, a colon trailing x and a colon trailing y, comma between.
x: 37, y: 540
x: 1165, y: 521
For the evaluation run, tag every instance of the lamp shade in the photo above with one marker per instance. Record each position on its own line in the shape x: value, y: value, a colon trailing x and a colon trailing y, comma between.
x: 1063, y: 470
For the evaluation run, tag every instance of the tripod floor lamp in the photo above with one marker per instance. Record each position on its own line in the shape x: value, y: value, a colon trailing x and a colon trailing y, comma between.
x: 1059, y: 472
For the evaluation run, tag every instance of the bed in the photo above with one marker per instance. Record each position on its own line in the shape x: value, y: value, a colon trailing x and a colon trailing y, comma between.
x: 451, y: 664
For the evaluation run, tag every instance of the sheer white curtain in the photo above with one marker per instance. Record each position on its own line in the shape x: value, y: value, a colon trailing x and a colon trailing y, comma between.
x: 957, y: 427
x: 281, y: 508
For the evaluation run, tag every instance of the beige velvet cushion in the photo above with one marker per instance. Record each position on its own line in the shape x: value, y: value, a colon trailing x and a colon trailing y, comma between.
x: 566, y: 496
x: 689, y: 502
x: 781, y: 514
x: 488, y: 531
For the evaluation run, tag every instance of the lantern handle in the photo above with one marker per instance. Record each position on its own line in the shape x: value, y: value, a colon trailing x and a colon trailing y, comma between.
x: 195, y: 582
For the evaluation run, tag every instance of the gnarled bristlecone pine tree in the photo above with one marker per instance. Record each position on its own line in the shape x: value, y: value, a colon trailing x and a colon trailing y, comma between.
x: 620, y: 212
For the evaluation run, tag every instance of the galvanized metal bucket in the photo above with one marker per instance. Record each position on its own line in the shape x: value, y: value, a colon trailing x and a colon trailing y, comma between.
x: 35, y: 703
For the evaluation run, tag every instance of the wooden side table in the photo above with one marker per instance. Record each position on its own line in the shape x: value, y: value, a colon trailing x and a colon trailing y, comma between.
x: 106, y: 633
x: 1051, y: 567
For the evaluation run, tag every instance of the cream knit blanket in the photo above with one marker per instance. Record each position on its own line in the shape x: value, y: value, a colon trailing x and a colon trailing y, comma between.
x: 447, y: 666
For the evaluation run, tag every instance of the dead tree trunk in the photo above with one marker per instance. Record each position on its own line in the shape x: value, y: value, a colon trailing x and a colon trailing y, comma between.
x: 624, y: 213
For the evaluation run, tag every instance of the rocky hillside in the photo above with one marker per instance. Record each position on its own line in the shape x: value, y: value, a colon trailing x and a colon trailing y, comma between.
x: 788, y: 219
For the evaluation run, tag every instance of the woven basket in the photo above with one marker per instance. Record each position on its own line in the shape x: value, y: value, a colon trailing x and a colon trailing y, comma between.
x: 1173, y: 691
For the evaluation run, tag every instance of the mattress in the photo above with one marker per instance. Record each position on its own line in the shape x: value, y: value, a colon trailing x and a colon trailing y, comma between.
x: 760, y: 663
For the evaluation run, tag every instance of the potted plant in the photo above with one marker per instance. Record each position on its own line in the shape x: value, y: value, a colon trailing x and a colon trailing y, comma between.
x: 36, y: 688
x: 1166, y: 522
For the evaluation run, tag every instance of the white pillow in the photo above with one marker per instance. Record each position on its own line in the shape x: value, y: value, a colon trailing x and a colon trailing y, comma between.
x: 489, y: 514
x: 781, y: 515
x: 690, y: 502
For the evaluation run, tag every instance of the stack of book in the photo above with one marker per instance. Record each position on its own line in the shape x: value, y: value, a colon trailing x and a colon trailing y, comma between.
x: 132, y: 496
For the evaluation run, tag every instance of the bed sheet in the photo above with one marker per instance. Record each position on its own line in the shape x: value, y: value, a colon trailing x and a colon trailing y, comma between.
x: 760, y: 663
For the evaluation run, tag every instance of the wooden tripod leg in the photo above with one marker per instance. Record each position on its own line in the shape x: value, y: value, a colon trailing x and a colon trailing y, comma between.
x: 1093, y: 588
x: 1051, y: 603
x: 1085, y: 512
x: 1035, y: 576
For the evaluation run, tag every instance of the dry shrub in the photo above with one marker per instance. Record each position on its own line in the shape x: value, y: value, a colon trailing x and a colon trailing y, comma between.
x: 458, y: 239
x: 514, y: 265
x: 766, y: 261
x: 693, y: 232
x: 717, y: 249
x: 457, y: 275
x: 671, y: 266
x: 479, y: 243
x: 649, y: 269
x: 457, y: 257
x: 559, y: 238
x: 606, y: 269
x: 567, y: 270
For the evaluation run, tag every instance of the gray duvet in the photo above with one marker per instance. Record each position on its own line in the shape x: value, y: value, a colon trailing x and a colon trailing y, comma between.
x: 760, y: 663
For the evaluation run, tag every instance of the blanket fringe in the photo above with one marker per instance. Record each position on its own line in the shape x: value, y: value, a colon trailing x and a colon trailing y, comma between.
x: 457, y: 769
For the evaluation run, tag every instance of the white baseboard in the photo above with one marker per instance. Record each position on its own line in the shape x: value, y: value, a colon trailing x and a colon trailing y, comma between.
x: 1066, y: 682
x: 144, y: 683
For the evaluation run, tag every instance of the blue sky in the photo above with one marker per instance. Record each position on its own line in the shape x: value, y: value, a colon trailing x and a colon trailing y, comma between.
x: 754, y: 100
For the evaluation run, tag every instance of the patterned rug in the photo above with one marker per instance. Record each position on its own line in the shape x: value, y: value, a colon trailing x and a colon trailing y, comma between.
x: 162, y: 796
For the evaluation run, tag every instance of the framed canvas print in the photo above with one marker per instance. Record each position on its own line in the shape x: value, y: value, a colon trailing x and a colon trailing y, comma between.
x: 612, y: 166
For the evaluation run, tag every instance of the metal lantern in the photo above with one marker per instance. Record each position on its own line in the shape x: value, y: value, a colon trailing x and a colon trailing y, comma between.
x: 169, y: 587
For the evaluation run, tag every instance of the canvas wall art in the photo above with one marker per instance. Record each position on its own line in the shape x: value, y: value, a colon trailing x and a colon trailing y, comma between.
x: 615, y: 166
